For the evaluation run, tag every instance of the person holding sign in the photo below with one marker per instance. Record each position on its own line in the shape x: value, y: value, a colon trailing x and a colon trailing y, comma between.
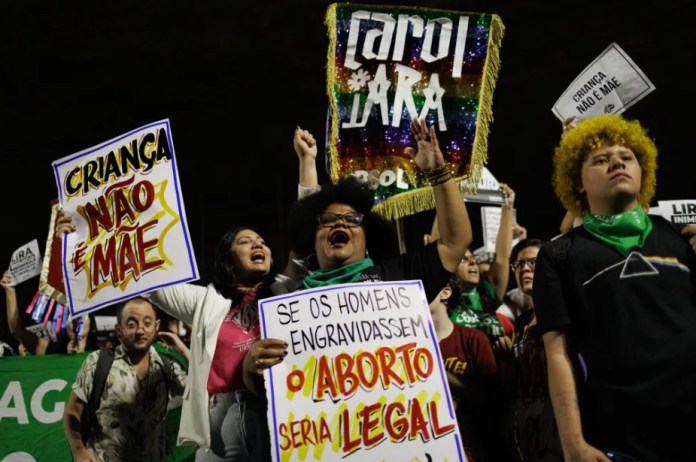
x: 219, y: 415
x: 615, y: 301
x: 32, y: 343
x: 336, y: 227
x: 77, y: 337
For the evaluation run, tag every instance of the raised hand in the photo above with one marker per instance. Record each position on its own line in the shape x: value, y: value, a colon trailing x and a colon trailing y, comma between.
x: 428, y: 156
x: 690, y: 230
x: 508, y: 194
x: 64, y: 225
x: 306, y: 149
x: 6, y: 281
x: 568, y: 124
x: 305, y: 145
x: 172, y: 341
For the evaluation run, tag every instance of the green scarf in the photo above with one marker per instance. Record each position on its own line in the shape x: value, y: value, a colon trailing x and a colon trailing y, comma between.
x: 344, y: 274
x: 623, y: 231
x: 474, y: 299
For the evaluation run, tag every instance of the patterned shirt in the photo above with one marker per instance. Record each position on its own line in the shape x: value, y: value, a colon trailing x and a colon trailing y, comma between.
x: 132, y: 414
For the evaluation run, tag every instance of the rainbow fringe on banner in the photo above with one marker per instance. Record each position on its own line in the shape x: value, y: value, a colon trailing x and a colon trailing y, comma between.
x: 447, y: 62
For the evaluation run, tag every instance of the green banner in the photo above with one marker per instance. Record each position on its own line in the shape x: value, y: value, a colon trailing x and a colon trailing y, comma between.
x: 33, y: 393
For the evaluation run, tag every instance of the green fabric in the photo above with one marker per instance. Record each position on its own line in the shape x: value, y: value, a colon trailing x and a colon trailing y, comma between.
x: 474, y: 299
x: 623, y: 231
x: 472, y: 313
x: 33, y: 391
x: 162, y: 348
x: 342, y: 275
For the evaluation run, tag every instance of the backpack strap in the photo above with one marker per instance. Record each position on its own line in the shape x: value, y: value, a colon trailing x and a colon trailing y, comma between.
x: 88, y: 419
x: 561, y: 246
x: 106, y: 358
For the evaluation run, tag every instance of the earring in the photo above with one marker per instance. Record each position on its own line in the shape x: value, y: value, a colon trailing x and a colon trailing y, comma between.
x: 367, y: 253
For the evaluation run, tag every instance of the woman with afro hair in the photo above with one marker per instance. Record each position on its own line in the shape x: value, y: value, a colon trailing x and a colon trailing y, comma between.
x: 347, y: 242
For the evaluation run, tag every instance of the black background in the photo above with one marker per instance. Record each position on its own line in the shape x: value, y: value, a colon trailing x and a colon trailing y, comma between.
x: 235, y: 78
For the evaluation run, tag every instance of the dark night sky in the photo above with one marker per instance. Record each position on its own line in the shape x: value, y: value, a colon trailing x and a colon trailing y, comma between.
x: 235, y: 80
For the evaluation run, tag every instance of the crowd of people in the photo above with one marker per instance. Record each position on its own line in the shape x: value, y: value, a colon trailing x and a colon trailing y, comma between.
x: 585, y: 354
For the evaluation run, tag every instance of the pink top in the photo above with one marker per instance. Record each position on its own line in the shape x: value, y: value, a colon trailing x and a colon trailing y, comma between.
x: 238, y: 331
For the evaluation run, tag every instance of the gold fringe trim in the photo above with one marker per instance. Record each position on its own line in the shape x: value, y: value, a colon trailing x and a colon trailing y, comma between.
x: 422, y: 199
x: 479, y: 151
x: 330, y: 21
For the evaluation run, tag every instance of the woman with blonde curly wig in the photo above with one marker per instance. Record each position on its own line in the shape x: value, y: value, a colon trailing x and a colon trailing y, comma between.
x: 615, y: 301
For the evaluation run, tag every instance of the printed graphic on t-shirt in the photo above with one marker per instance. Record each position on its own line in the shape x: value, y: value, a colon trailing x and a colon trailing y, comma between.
x: 636, y: 265
x: 246, y: 315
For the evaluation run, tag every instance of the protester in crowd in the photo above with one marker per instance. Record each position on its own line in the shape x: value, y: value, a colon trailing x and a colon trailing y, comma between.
x: 77, y: 331
x: 482, y: 293
x: 470, y: 363
x: 615, y: 301
x: 77, y: 337
x: 337, y: 227
x: 219, y: 415
x: 133, y: 406
x: 529, y: 424
x: 34, y: 344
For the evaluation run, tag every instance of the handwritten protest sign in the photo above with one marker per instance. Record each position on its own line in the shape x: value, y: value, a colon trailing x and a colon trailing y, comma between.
x: 388, y: 65
x: 490, y: 221
x: 609, y: 85
x: 125, y: 200
x: 363, y: 379
x: 25, y: 262
x: 677, y: 211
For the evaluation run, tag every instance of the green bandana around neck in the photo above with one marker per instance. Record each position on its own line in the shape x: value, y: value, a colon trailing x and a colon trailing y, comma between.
x: 623, y: 231
x: 342, y: 275
x: 474, y: 299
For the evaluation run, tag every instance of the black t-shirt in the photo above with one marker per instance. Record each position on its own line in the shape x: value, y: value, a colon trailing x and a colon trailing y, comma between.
x: 423, y: 263
x: 630, y: 323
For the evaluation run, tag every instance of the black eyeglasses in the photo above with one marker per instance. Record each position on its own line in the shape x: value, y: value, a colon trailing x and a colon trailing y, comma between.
x: 518, y: 265
x: 351, y: 219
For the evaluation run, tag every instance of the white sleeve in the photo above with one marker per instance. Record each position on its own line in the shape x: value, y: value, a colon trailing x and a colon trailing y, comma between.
x: 179, y: 300
x: 303, y: 192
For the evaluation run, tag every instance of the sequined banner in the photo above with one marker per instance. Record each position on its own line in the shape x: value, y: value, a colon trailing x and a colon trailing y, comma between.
x: 388, y: 65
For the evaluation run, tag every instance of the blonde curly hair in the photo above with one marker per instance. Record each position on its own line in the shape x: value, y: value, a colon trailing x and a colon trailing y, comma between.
x: 594, y: 133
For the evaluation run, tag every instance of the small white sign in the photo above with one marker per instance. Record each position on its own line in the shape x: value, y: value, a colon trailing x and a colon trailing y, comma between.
x: 25, y: 263
x: 487, y: 191
x: 490, y: 221
x: 609, y: 85
x: 681, y: 212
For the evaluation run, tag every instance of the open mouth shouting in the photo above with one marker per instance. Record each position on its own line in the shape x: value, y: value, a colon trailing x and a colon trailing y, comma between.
x: 338, y: 238
x: 258, y: 256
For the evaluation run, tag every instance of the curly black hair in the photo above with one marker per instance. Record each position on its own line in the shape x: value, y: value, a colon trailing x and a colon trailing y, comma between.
x: 380, y: 234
